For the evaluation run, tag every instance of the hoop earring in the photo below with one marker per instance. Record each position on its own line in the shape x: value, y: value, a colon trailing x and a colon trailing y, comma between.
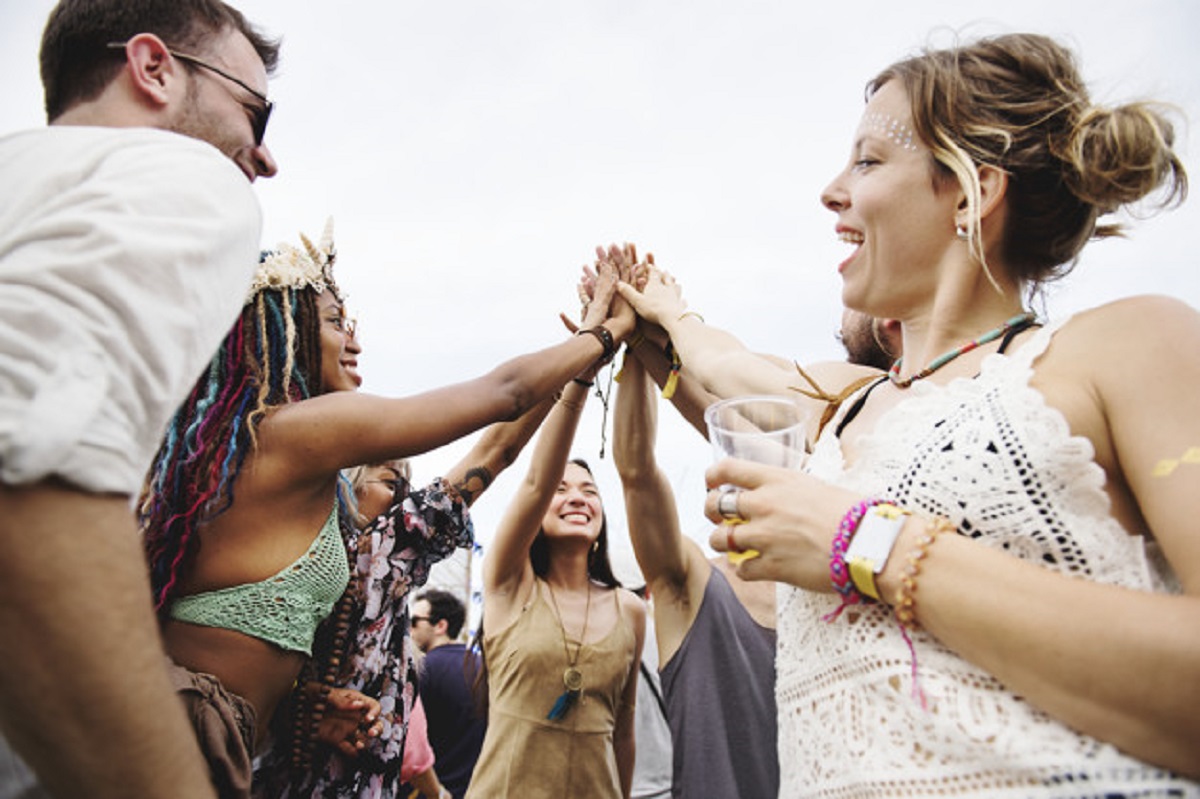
x: 878, y: 339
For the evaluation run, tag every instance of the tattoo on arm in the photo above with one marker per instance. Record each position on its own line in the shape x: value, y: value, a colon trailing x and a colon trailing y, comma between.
x: 474, y: 483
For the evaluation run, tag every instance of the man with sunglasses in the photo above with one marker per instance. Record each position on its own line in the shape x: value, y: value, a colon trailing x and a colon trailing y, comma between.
x: 125, y: 253
x: 456, y: 725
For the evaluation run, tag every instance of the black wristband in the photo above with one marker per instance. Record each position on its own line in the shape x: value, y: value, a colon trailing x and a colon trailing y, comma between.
x: 605, y: 338
x: 582, y: 382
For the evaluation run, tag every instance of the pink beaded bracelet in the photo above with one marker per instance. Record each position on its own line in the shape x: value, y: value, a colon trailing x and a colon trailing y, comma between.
x: 839, y: 573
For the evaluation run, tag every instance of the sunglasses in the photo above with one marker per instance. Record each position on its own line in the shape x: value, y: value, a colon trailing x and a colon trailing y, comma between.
x: 418, y: 619
x: 259, y: 114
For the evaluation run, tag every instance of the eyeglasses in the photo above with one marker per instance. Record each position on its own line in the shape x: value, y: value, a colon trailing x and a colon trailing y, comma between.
x: 346, y: 325
x: 418, y: 619
x: 259, y: 114
x: 399, y: 485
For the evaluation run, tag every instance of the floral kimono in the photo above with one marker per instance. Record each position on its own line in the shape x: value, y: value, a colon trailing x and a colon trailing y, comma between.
x: 389, y: 558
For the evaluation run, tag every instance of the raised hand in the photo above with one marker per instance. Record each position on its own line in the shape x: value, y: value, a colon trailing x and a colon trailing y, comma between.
x: 597, y: 289
x: 660, y: 297
x: 623, y: 261
x: 604, y: 289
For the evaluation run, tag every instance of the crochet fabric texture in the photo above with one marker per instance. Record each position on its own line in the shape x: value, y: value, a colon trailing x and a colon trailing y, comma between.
x: 991, y: 456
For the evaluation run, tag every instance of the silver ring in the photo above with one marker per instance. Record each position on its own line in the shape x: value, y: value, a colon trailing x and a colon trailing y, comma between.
x: 727, y: 504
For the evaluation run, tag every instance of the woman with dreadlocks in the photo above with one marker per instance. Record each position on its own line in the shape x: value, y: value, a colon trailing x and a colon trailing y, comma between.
x: 240, y: 513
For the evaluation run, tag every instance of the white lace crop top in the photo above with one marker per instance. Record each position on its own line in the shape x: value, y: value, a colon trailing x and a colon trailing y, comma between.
x: 991, y: 456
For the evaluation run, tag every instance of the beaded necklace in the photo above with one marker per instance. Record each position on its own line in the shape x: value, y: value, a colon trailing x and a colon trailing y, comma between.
x: 1015, y: 324
x: 310, y: 708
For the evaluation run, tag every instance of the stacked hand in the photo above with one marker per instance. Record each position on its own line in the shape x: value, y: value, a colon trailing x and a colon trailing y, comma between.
x: 654, y: 294
x: 598, y: 286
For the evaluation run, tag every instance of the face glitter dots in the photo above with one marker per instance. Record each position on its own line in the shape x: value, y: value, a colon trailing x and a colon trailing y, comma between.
x: 891, y: 129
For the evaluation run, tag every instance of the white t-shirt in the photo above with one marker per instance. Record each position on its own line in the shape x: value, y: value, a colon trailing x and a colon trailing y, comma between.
x: 125, y: 256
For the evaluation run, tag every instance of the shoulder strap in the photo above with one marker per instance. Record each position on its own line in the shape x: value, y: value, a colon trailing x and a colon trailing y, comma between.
x: 650, y: 681
x: 835, y: 402
x: 858, y: 405
x: 1009, y: 336
x: 1037, y: 343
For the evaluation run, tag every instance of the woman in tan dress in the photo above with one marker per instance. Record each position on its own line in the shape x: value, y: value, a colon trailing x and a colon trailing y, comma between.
x: 563, y: 640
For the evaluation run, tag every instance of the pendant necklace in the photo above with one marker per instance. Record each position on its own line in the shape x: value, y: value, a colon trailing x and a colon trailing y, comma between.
x: 1016, y: 324
x: 572, y: 677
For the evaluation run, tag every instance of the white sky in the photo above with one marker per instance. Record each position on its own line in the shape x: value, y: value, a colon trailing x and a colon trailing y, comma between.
x: 473, y: 153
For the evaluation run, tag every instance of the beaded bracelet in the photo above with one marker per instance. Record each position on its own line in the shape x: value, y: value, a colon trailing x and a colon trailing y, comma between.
x: 605, y: 337
x: 839, y: 574
x: 905, y: 601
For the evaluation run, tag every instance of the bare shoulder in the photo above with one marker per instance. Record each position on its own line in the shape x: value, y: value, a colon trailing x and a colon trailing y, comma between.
x: 631, y: 603
x: 1118, y: 373
x: 1141, y: 335
x: 1132, y: 322
x: 633, y: 609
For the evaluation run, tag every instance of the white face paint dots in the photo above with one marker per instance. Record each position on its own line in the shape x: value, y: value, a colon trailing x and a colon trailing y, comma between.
x: 890, y: 128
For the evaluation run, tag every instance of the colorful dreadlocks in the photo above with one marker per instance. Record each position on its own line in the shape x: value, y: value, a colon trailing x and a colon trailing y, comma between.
x: 271, y: 357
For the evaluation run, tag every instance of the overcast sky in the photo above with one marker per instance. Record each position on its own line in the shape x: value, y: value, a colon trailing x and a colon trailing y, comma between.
x: 473, y: 153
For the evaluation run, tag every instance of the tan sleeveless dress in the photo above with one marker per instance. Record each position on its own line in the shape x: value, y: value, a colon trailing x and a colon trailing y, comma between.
x: 524, y: 754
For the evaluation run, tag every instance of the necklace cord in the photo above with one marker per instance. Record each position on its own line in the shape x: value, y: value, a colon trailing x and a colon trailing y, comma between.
x: 562, y: 626
x: 572, y: 677
x: 1013, y: 325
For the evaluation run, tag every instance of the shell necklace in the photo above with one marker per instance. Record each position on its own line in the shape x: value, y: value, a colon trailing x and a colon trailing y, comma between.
x: 572, y: 677
x: 1016, y: 324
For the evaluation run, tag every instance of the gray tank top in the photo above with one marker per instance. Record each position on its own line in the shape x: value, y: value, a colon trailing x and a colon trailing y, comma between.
x: 720, y: 693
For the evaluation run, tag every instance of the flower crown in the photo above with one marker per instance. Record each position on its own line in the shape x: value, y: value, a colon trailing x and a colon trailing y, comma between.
x: 288, y: 267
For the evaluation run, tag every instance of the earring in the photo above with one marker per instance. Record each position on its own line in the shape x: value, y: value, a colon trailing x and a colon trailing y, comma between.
x: 596, y: 545
x: 962, y: 232
x: 879, y: 339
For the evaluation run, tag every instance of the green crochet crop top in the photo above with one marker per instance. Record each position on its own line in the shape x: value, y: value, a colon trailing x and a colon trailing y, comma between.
x: 283, y: 609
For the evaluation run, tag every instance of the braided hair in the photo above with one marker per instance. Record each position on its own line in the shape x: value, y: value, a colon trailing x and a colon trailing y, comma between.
x: 271, y: 357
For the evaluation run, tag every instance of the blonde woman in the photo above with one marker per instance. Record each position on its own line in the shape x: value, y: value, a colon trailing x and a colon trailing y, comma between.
x: 1020, y: 615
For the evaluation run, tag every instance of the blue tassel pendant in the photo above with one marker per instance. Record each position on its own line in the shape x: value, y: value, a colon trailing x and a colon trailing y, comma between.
x: 573, y: 680
x: 564, y: 703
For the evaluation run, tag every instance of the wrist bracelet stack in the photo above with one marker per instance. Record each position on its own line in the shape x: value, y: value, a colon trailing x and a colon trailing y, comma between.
x: 872, y: 545
x: 839, y: 574
x: 863, y: 544
x: 605, y: 337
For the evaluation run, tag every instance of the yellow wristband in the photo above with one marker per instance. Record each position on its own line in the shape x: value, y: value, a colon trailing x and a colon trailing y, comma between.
x: 862, y: 574
x: 871, y: 545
